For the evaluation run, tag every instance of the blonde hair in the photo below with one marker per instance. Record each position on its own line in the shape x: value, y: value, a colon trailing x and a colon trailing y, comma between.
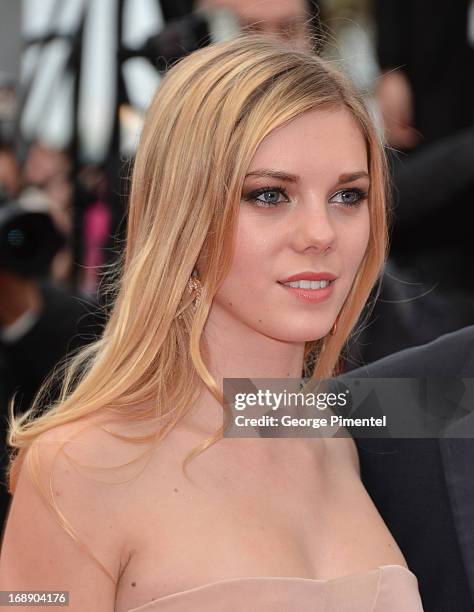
x: 204, y: 125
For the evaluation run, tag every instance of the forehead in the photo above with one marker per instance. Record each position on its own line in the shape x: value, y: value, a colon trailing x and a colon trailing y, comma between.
x: 254, y: 10
x: 318, y: 141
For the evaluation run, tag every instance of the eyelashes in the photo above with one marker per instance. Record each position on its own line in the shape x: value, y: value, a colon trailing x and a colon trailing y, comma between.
x: 356, y: 197
x: 254, y: 196
x: 358, y: 193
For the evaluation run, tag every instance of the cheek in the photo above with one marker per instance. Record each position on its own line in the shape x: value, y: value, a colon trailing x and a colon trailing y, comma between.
x: 251, y: 259
x: 354, y: 241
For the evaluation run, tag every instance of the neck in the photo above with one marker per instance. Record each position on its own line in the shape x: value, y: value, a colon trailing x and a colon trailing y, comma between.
x: 237, y: 351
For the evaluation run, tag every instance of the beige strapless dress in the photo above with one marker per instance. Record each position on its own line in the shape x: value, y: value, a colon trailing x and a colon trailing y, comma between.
x: 388, y: 588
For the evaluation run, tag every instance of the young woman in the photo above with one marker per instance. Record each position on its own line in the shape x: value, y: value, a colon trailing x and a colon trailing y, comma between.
x: 253, y: 171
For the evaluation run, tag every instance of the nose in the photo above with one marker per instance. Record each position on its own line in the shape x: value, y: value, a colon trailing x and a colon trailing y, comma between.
x: 313, y: 228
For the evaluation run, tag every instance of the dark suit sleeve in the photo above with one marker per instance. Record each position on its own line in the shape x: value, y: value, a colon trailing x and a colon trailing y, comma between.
x: 450, y: 355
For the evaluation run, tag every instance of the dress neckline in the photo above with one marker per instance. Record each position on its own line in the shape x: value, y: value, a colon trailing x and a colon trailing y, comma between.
x: 207, y: 585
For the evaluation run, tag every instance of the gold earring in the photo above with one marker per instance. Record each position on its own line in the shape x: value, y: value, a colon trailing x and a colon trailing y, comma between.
x: 195, y: 286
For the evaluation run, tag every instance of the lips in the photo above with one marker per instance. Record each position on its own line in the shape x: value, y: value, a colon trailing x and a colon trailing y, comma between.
x: 311, y: 295
x: 311, y: 276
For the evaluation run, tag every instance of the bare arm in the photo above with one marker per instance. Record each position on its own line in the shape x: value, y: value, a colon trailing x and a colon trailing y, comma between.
x: 38, y: 555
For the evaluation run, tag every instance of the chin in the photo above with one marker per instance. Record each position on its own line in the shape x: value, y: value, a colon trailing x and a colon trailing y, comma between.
x: 302, y: 334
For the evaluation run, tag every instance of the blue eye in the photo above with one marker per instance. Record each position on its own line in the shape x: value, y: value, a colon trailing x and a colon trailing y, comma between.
x: 349, y: 197
x: 272, y: 200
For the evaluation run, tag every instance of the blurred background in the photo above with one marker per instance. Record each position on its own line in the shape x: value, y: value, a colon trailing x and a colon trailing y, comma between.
x: 76, y: 77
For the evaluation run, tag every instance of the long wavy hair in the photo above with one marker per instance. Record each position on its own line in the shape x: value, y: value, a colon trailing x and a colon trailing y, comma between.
x: 210, y: 113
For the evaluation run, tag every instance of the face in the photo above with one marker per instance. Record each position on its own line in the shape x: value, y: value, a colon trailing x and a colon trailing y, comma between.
x: 284, y: 19
x: 304, y: 213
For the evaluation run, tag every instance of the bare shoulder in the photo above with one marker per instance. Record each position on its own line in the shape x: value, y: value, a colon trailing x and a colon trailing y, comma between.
x: 65, y: 524
x: 93, y: 465
x: 114, y: 463
x: 77, y: 512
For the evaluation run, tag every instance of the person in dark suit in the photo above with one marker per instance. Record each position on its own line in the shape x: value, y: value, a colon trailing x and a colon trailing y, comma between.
x: 424, y: 488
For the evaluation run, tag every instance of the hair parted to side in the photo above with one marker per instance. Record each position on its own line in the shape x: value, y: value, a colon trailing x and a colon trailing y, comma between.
x: 210, y: 113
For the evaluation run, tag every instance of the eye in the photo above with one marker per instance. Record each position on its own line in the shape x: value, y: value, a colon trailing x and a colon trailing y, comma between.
x: 271, y: 196
x: 349, y: 197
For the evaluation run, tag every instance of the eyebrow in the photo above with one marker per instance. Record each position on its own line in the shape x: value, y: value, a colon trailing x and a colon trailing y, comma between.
x: 293, y: 178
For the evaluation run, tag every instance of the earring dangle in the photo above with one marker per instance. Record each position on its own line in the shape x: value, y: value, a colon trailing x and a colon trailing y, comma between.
x: 195, y: 286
